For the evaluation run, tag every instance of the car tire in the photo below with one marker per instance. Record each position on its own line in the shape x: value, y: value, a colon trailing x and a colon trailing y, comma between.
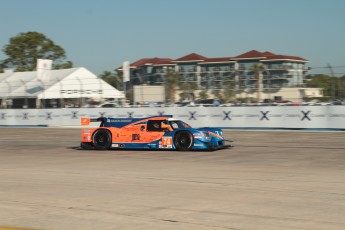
x: 183, y: 141
x: 101, y: 139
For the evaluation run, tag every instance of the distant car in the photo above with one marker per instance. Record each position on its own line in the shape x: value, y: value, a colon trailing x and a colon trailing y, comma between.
x: 109, y: 105
x: 337, y: 102
x: 157, y: 132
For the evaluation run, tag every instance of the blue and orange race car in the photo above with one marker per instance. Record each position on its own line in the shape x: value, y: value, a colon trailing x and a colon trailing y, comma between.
x: 157, y: 132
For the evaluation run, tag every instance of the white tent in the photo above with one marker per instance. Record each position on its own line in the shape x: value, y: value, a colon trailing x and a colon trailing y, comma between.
x: 56, y: 84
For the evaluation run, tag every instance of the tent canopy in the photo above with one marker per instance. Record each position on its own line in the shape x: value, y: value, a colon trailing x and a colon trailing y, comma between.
x: 50, y: 84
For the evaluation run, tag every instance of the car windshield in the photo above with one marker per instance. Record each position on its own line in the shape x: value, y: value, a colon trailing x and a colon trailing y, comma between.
x: 179, y: 125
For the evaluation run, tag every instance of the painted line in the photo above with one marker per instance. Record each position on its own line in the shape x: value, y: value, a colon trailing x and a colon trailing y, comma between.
x: 15, y: 228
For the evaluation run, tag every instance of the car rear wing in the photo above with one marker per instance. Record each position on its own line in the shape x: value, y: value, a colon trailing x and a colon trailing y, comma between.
x: 87, y: 121
x: 118, y: 122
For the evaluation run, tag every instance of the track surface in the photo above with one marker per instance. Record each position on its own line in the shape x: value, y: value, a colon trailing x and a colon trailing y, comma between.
x: 270, y: 180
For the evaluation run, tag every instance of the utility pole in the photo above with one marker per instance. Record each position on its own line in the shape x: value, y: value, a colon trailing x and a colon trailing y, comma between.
x: 332, y: 82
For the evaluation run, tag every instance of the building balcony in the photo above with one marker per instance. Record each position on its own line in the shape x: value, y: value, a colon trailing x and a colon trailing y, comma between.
x: 278, y: 67
x: 188, y: 79
x: 229, y: 79
x: 273, y: 77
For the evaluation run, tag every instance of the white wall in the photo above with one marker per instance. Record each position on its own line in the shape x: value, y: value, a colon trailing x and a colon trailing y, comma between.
x: 291, y: 94
x: 149, y: 93
x: 281, y: 117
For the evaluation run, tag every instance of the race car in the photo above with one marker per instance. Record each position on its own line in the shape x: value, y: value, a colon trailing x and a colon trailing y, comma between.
x: 156, y: 132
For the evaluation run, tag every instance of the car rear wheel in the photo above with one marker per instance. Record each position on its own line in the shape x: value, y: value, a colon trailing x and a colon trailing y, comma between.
x: 101, y: 139
x: 183, y: 141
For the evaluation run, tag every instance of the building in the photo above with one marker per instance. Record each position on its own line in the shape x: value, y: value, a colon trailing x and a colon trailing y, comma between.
x: 254, y: 74
x: 46, y: 88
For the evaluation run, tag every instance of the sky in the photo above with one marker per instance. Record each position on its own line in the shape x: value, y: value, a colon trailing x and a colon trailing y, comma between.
x: 101, y: 34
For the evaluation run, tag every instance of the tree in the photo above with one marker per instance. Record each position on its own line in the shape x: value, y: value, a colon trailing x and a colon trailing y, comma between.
x: 320, y: 81
x: 1, y: 67
x: 203, y: 95
x: 65, y: 65
x: 341, y: 88
x: 330, y: 85
x: 187, y: 89
x: 217, y: 94
x: 111, y: 78
x: 258, y: 68
x: 171, y: 83
x: 24, y: 49
x: 228, y: 92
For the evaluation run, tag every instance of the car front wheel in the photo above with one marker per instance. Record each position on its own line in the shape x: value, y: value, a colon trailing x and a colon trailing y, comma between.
x: 183, y: 141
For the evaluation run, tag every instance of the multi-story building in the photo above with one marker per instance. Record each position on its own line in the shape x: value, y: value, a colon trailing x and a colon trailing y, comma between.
x: 246, y: 74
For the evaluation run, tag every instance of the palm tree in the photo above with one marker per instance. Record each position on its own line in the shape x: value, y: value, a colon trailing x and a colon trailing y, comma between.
x: 203, y: 95
x: 187, y: 89
x: 171, y: 83
x: 258, y: 68
x: 228, y: 91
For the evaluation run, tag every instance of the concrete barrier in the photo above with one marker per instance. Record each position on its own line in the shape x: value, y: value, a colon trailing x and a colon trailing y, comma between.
x: 246, y: 117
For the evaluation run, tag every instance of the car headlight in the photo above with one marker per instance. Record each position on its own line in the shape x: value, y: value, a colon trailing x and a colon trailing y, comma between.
x: 206, y: 135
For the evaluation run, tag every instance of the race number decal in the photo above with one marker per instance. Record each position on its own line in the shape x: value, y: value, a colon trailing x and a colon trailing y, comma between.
x: 167, y: 142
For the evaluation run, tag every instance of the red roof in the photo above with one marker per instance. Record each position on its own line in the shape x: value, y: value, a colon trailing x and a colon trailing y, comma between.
x: 217, y: 60
x: 149, y: 61
x: 163, y: 61
x: 140, y: 62
x: 253, y: 54
x: 267, y: 53
x: 284, y: 57
x: 267, y: 56
x: 193, y: 57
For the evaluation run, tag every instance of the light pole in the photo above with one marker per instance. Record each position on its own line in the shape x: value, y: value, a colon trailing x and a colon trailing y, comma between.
x: 125, y: 77
x: 25, y: 97
x: 6, y: 100
x: 269, y: 82
x: 332, y: 82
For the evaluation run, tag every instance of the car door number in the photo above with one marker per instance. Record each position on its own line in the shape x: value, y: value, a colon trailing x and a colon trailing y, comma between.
x: 166, y: 142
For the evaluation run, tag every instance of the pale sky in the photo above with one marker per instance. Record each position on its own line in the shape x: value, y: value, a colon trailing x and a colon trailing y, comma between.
x: 101, y: 34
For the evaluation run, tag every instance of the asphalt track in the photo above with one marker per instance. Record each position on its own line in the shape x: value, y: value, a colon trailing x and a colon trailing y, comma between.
x: 270, y: 180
